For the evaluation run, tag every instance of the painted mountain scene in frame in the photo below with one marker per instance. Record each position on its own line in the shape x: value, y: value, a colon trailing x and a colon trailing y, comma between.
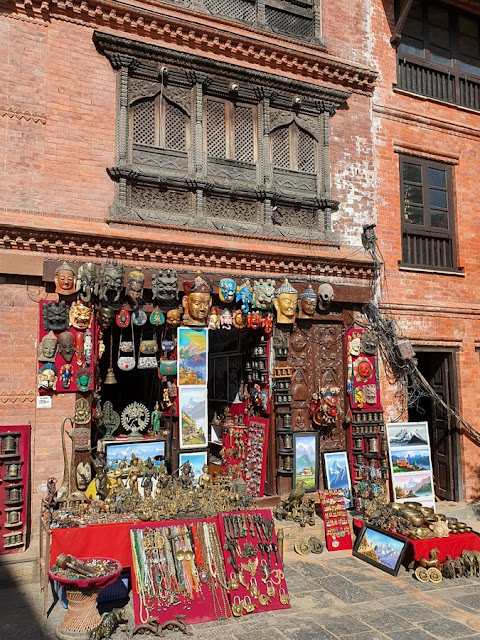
x: 412, y: 486
x: 193, y: 417
x: 410, y: 459
x: 192, y: 356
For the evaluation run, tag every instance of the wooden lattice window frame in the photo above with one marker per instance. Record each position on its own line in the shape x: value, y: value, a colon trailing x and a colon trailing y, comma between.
x: 228, y: 130
x: 424, y: 244
x: 160, y: 137
x: 294, y: 132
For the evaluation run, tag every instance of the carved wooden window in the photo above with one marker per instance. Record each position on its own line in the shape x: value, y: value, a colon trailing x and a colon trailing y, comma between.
x: 161, y: 123
x: 428, y: 238
x: 294, y: 148
x: 439, y: 54
x: 230, y: 131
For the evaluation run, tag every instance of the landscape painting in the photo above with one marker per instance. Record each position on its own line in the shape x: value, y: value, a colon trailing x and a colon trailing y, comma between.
x: 415, y: 486
x: 192, y: 408
x: 380, y: 548
x: 410, y: 460
x: 196, y: 459
x: 407, y: 434
x: 337, y: 474
x: 306, y: 460
x: 118, y: 452
x: 192, y: 356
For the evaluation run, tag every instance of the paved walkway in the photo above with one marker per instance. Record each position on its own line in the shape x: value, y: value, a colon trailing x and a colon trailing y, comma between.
x: 333, y: 596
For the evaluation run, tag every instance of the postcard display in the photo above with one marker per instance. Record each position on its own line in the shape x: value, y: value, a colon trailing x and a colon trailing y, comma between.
x: 411, y: 463
x: 335, y: 517
x: 14, y: 470
x: 207, y: 569
x: 368, y: 449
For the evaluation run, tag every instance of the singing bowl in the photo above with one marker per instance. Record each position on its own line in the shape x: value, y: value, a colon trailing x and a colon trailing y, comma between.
x: 412, y: 505
x: 428, y: 512
x: 396, y: 506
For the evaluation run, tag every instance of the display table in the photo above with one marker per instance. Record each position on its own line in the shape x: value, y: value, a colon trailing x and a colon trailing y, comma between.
x: 82, y: 614
x: 453, y: 545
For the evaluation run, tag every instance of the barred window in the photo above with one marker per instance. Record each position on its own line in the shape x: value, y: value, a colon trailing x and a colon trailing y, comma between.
x: 161, y: 123
x: 230, y: 131
x: 294, y: 148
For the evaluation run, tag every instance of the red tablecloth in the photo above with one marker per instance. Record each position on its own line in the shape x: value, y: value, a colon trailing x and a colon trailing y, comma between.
x: 99, y: 540
x: 453, y: 545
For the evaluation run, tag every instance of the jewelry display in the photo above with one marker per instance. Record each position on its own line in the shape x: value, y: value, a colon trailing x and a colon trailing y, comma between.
x: 337, y: 528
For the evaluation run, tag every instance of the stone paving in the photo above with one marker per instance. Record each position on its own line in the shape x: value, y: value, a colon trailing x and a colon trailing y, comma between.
x: 333, y: 596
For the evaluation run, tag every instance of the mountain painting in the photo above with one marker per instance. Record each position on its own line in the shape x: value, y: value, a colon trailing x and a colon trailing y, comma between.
x: 193, y: 417
x: 413, y: 433
x: 413, y: 486
x: 338, y: 476
x: 380, y: 549
x: 192, y: 356
x: 410, y: 459
x: 306, y: 460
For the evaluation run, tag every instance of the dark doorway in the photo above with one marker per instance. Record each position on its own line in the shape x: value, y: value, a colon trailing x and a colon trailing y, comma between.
x: 438, y: 369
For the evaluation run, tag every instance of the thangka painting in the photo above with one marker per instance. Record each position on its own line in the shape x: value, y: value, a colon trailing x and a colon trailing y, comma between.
x: 411, y: 463
x: 192, y: 357
x: 192, y: 409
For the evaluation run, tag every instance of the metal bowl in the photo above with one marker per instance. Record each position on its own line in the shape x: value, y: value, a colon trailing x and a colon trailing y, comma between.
x: 440, y: 516
x: 396, y: 506
x: 412, y: 505
x: 428, y: 512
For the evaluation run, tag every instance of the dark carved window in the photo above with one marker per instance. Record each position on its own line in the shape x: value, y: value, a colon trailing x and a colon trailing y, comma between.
x: 439, y: 54
x: 160, y: 123
x: 230, y: 131
x: 293, y: 148
x: 428, y: 239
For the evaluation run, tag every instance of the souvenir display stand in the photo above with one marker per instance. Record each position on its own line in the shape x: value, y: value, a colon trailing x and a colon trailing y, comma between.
x: 255, y: 573
x: 14, y: 482
x: 178, y: 566
x: 82, y: 593
x: 335, y: 517
x: 256, y: 458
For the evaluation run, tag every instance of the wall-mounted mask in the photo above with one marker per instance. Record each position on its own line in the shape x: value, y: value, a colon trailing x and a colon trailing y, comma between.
x: 83, y: 379
x: 197, y: 301
x: 87, y: 284
x: 286, y: 298
x: 173, y: 318
x: 65, y: 280
x: 307, y: 303
x: 325, y: 296
x: 165, y: 286
x: 79, y: 354
x: 110, y: 281
x: 47, y: 350
x: 55, y: 316
x: 80, y: 316
x: 47, y: 376
x: 66, y: 346
x: 105, y: 317
x: 226, y: 319
x: 263, y: 294
x: 66, y: 375
x: 244, y: 295
x: 368, y: 343
x: 134, y: 288
x: 227, y: 289
x: 88, y: 347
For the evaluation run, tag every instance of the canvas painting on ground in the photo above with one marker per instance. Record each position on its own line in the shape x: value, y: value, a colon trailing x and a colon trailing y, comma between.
x: 306, y: 460
x: 192, y: 356
x: 192, y: 403
x: 337, y: 475
x: 380, y: 548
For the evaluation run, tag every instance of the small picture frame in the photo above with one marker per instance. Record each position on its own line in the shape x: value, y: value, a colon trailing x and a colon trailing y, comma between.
x: 337, y: 474
x: 381, y: 549
x: 305, y: 459
x: 197, y: 459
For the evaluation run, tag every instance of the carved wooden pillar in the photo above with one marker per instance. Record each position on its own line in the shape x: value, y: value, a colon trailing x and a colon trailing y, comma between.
x: 122, y: 64
x: 261, y: 20
x: 198, y: 134
x: 317, y: 21
x: 324, y: 154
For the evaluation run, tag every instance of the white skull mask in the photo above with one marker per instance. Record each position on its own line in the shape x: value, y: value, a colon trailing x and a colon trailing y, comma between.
x: 325, y: 296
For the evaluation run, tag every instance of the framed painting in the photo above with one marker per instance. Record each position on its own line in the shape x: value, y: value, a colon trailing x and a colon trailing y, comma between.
x: 192, y: 357
x: 197, y: 459
x: 305, y: 459
x: 337, y: 474
x: 380, y: 548
x: 143, y: 449
x: 193, y: 423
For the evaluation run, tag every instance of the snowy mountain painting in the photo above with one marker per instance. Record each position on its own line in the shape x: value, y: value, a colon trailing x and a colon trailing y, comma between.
x: 414, y: 486
x: 338, y: 477
x: 385, y: 549
x: 414, y: 433
x: 306, y: 461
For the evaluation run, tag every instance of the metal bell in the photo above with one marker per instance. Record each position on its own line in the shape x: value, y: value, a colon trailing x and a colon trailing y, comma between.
x: 110, y: 377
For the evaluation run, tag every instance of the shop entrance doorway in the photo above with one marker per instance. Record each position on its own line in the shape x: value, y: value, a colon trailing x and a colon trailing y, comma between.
x: 439, y: 370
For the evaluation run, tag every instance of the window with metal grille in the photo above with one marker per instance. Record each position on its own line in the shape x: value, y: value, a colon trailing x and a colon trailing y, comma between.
x: 294, y: 148
x: 428, y: 239
x: 439, y: 54
x: 230, y: 131
x: 160, y: 123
